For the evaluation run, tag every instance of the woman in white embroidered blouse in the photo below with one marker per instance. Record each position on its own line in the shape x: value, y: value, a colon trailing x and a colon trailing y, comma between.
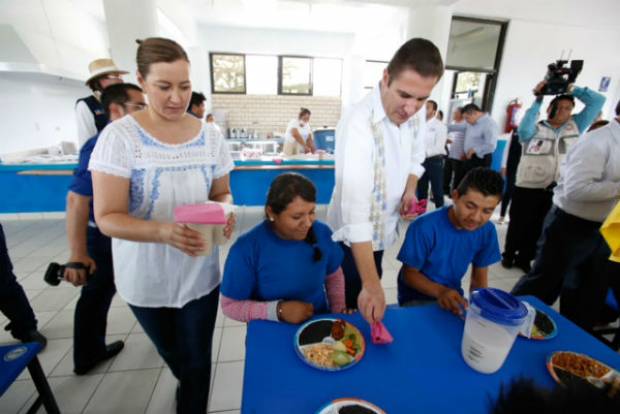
x: 145, y: 165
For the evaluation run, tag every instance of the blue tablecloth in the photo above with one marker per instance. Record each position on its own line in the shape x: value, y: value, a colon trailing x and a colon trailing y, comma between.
x: 421, y: 372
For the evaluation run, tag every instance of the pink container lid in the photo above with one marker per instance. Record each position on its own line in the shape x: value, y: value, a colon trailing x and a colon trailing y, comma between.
x: 200, y: 214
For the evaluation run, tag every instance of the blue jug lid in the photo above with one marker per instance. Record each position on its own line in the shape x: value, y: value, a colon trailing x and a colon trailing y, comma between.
x: 499, y: 306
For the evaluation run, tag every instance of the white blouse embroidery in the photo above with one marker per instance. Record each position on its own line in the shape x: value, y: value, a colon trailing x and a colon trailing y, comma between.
x: 162, y: 177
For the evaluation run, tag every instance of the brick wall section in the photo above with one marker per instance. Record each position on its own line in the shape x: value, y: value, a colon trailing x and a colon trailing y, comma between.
x: 267, y: 114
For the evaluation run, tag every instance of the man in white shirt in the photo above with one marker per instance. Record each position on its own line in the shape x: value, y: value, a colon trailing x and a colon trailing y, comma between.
x: 435, y: 139
x: 379, y: 155
x: 572, y: 254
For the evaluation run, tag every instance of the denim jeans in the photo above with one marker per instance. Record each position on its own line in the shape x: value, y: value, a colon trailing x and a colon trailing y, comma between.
x: 352, y: 279
x: 183, y: 337
x: 13, y: 301
x: 570, y: 263
x: 91, y: 311
x: 433, y: 173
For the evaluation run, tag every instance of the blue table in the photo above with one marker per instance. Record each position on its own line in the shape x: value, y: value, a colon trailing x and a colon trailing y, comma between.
x: 13, y: 360
x: 421, y: 372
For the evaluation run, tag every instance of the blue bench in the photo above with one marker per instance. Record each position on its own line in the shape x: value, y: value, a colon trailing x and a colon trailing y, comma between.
x: 13, y: 359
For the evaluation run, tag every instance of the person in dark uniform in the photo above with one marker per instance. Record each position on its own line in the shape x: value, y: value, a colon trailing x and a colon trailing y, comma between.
x: 92, y: 248
x: 510, y: 172
x: 91, y: 117
x: 14, y: 303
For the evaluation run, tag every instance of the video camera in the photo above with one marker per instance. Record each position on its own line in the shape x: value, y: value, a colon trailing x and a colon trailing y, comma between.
x: 559, y: 77
x: 55, y: 272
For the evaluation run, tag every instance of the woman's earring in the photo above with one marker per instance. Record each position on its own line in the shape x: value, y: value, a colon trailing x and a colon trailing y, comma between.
x: 271, y: 219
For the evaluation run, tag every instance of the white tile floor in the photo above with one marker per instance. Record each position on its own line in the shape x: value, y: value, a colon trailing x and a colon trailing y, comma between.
x: 136, y: 381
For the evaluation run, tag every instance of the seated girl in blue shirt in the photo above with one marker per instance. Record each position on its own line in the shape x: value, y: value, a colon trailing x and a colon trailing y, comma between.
x: 439, y: 246
x: 287, y: 268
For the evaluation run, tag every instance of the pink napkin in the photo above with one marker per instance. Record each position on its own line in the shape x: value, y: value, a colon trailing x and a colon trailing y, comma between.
x: 380, y: 334
x: 200, y: 214
x: 417, y: 207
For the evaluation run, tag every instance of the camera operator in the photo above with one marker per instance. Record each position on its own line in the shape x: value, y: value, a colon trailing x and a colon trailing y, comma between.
x: 572, y: 256
x: 544, y: 145
x: 92, y: 248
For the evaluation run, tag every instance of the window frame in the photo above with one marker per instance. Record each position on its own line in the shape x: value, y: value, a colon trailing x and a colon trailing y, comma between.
x: 310, y: 80
x: 245, y: 83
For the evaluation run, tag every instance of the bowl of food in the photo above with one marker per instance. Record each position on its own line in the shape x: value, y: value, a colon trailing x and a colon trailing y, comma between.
x: 350, y: 406
x: 541, y: 326
x: 570, y: 367
x: 330, y: 344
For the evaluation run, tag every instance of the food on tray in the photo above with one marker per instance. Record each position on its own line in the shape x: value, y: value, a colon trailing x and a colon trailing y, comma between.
x: 320, y: 354
x: 330, y: 343
x: 579, y: 365
x: 543, y: 325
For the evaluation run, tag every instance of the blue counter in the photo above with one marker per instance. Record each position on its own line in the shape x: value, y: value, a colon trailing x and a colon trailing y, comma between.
x: 31, y: 188
x: 43, y: 187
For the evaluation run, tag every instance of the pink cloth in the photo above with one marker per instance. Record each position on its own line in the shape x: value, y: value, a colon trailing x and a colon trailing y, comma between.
x: 210, y: 213
x: 335, y: 291
x: 380, y: 334
x: 244, y: 310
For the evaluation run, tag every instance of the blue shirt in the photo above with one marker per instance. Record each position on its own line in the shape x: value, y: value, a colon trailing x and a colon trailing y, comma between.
x: 592, y: 100
x: 82, y: 183
x: 480, y: 137
x: 442, y: 253
x: 264, y: 267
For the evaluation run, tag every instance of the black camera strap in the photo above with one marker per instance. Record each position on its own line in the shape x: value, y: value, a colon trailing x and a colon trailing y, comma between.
x: 77, y: 266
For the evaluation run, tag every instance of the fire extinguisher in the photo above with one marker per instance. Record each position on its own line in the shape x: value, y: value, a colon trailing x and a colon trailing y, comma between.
x: 512, y: 113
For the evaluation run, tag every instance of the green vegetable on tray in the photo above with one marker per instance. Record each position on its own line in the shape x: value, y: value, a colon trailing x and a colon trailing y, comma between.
x: 341, y: 358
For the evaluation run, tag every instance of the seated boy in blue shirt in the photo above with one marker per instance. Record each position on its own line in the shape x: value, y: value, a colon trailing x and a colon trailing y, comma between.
x: 439, y: 246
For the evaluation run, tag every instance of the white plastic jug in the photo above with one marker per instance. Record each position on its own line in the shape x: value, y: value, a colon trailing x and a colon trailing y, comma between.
x: 491, y: 326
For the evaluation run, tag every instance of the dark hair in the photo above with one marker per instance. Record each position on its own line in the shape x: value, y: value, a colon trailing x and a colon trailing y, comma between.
x: 524, y: 396
x: 94, y: 83
x: 459, y: 109
x: 303, y: 111
x: 156, y: 50
x: 118, y: 94
x: 440, y: 115
x: 598, y: 124
x: 197, y: 99
x: 618, y: 108
x: 209, y: 116
x: 419, y: 55
x: 562, y: 98
x: 483, y: 180
x: 283, y: 191
x: 433, y: 104
x: 471, y: 107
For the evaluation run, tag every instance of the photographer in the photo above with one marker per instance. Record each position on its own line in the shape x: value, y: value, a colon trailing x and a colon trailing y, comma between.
x: 572, y: 255
x: 544, y: 147
x: 92, y: 248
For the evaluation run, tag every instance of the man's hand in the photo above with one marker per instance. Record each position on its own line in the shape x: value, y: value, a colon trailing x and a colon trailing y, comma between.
x: 452, y: 301
x: 78, y: 277
x: 470, y: 154
x: 371, y: 302
x: 294, y: 311
x: 407, y: 206
x: 503, y: 172
x: 539, y: 88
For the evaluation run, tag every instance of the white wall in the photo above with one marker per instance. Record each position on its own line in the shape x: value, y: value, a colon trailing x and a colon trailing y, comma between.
x: 37, y: 111
x: 538, y: 31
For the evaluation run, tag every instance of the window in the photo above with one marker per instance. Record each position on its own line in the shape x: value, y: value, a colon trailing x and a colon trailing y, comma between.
x: 373, y: 72
x: 326, y: 76
x: 262, y: 74
x: 474, y: 53
x: 295, y: 76
x: 227, y: 73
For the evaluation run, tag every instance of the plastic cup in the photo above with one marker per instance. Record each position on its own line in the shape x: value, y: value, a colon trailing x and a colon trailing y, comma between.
x: 493, y: 320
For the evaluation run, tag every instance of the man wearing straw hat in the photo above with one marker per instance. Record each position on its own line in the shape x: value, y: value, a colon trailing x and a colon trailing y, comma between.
x: 91, y: 117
